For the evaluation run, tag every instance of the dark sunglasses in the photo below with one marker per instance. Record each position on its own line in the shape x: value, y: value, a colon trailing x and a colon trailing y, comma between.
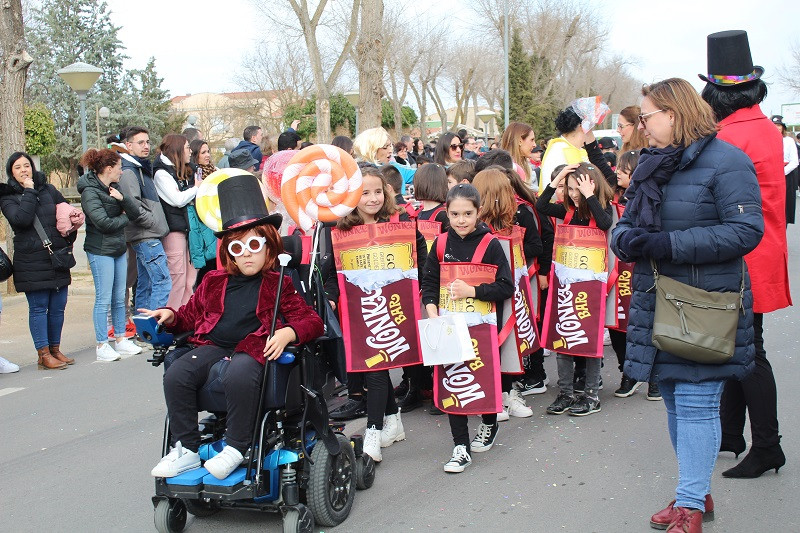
x: 456, y: 146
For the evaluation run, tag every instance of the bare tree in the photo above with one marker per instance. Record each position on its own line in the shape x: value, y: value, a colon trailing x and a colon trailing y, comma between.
x: 370, y: 58
x: 790, y: 73
x: 310, y: 25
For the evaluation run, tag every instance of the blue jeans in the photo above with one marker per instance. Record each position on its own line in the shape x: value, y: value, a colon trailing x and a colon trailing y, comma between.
x: 694, y: 428
x: 153, y: 283
x: 46, y: 315
x: 109, y: 275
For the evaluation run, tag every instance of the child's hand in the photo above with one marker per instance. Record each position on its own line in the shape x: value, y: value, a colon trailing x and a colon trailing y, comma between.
x: 585, y: 185
x: 544, y: 283
x: 459, y: 289
x: 333, y: 304
x: 164, y: 316
x: 275, y: 346
x: 563, y: 174
x: 432, y: 310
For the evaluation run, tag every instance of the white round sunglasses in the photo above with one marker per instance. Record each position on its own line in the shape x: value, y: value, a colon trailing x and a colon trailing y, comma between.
x: 254, y: 244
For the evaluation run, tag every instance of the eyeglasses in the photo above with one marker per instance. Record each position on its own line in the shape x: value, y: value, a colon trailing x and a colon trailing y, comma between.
x: 142, y: 143
x: 456, y: 146
x: 643, y: 118
x: 621, y: 126
x: 254, y: 244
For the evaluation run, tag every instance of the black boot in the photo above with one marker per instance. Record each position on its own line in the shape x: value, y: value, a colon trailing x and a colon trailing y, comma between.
x: 411, y: 400
x: 733, y: 444
x: 758, y: 461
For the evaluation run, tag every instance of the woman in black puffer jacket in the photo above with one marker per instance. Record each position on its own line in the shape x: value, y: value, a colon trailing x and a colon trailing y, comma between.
x: 26, y: 196
x: 695, y: 209
x: 107, y: 213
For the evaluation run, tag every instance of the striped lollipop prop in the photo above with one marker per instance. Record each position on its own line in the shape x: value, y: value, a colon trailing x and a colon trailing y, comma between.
x: 320, y: 183
x: 207, y: 202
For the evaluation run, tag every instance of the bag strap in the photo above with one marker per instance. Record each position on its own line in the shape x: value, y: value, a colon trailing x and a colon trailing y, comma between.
x: 441, y: 242
x: 741, y: 287
x: 480, y: 250
x: 37, y: 225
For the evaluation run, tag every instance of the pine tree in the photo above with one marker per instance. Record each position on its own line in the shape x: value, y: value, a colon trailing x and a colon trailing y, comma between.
x: 520, y: 80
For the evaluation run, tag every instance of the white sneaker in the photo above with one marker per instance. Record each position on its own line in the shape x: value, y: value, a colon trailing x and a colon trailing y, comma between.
x: 127, y: 347
x: 459, y: 461
x: 221, y: 465
x: 392, y: 430
x: 502, y: 416
x: 106, y: 353
x: 606, y: 338
x: 515, y: 405
x: 7, y: 367
x: 372, y: 444
x: 177, y: 461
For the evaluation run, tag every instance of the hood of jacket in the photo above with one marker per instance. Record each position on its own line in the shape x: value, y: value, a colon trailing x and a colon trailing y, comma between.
x: 461, y: 249
x: 135, y: 163
x: 90, y: 179
x: 15, y: 187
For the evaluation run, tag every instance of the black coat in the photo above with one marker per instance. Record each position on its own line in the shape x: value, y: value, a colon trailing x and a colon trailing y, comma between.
x: 33, y: 270
x: 106, y: 217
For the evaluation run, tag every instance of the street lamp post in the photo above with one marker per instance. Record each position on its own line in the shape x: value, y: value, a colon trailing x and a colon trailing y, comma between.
x: 486, y: 115
x: 104, y: 113
x: 80, y: 77
x: 354, y: 97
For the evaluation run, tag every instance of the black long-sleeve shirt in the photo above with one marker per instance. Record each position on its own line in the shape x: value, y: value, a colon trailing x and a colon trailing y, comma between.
x: 602, y: 215
x: 532, y: 242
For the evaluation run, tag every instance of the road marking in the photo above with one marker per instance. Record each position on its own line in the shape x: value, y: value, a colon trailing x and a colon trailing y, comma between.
x: 10, y: 390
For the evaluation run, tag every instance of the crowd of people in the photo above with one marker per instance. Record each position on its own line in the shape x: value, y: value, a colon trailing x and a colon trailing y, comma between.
x: 700, y: 191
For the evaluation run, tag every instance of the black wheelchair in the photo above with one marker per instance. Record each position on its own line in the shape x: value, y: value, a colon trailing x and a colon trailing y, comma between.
x: 298, y: 464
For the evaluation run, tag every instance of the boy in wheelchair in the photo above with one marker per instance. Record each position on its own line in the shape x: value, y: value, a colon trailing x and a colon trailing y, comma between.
x: 231, y: 314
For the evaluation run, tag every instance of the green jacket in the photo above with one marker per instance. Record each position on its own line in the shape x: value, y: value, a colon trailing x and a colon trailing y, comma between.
x: 106, y: 217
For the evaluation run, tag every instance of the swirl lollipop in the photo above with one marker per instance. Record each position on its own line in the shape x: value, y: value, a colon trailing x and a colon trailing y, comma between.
x: 207, y: 202
x: 320, y: 183
x: 272, y: 175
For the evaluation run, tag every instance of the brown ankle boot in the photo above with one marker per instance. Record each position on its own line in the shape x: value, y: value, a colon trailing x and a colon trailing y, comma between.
x: 47, y: 361
x: 56, y: 352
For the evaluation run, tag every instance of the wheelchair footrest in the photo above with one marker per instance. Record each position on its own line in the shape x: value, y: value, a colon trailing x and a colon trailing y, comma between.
x: 190, y: 478
x: 237, y: 476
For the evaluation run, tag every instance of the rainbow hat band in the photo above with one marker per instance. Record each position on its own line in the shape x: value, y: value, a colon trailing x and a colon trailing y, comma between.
x: 717, y: 79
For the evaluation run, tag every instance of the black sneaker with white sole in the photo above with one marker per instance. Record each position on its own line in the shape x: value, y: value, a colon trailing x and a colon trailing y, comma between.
x: 561, y: 405
x: 459, y: 461
x: 653, y: 392
x: 585, y: 405
x: 530, y: 385
x: 484, y: 439
x: 627, y: 387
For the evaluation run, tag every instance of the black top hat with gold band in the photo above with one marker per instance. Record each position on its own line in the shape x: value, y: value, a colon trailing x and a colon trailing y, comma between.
x: 242, y: 205
x: 729, y: 59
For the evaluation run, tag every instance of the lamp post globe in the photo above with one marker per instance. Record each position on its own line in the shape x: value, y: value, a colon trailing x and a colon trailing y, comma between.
x: 80, y: 77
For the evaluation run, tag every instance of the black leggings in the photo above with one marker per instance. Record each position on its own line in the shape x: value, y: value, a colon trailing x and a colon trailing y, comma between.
x: 757, y: 394
x: 618, y: 342
x: 182, y: 380
x: 380, y: 397
x: 535, y: 367
x: 459, y: 427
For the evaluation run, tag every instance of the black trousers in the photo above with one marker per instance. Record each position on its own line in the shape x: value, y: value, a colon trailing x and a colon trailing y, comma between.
x: 459, y: 427
x: 242, y: 383
x: 182, y: 380
x: 619, y: 344
x: 420, y: 376
x: 757, y: 394
x: 380, y: 397
x: 355, y: 384
x: 535, y: 362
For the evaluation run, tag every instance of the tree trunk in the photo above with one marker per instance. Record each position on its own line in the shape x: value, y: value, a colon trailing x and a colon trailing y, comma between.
x: 14, y: 65
x: 440, y: 108
x: 369, y: 50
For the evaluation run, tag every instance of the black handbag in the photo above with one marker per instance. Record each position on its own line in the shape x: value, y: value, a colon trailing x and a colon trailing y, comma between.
x: 62, y: 258
x: 6, y: 266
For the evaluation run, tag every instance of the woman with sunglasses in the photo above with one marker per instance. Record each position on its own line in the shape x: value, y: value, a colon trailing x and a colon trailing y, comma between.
x: 694, y: 210
x: 231, y: 314
x: 448, y: 150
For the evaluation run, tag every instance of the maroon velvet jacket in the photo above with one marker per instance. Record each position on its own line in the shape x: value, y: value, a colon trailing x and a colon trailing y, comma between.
x: 204, y: 309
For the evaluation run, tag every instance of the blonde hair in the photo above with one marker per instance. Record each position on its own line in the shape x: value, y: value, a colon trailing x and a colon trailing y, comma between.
x: 694, y: 118
x: 510, y: 142
x: 498, y: 204
x: 367, y: 143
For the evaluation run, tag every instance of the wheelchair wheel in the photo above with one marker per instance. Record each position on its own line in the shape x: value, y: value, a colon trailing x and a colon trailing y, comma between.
x: 365, y: 472
x: 331, y: 487
x: 170, y: 516
x: 298, y: 520
x: 201, y: 508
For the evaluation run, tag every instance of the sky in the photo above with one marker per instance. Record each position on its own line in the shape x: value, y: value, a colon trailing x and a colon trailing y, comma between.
x: 200, y: 49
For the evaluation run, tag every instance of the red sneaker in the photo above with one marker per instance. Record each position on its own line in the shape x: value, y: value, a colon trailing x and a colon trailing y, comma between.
x: 665, y: 517
x: 130, y: 329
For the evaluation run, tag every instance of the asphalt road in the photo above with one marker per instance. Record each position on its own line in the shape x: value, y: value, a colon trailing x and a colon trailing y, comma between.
x: 77, y: 447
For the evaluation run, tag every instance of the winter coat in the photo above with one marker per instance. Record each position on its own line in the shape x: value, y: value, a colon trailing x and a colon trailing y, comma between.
x: 254, y: 150
x: 137, y: 184
x: 175, y: 194
x: 33, y: 269
x: 106, y: 217
x: 202, y: 242
x: 751, y: 131
x: 711, y: 208
x: 205, y: 307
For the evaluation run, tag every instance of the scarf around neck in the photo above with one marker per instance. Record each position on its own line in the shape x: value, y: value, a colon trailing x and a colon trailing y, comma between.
x: 656, y: 167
